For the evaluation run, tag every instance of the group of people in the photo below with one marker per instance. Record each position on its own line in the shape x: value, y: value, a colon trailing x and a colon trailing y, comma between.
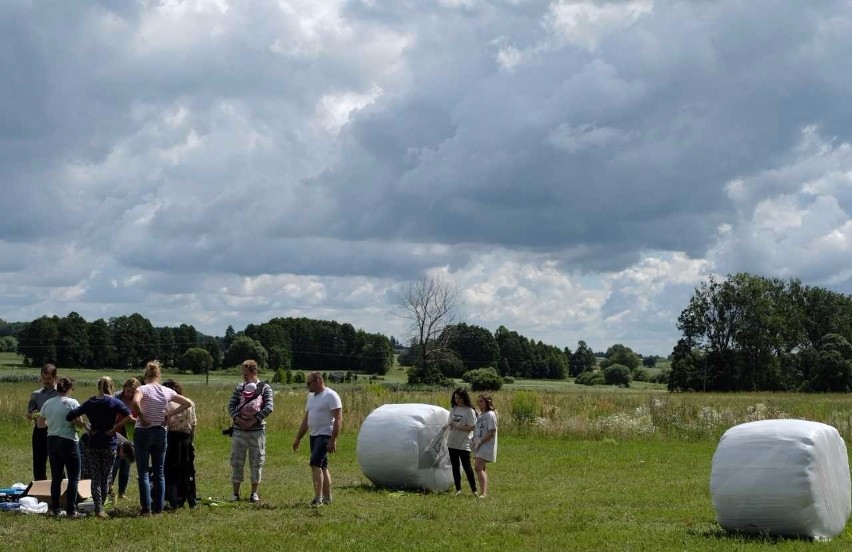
x: 469, y: 432
x: 154, y: 424
x: 152, y: 414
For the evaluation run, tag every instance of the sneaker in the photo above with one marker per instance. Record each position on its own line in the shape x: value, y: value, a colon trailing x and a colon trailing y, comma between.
x: 254, y: 498
x: 102, y: 515
x: 458, y: 493
x: 122, y: 496
x: 235, y: 498
x: 76, y: 515
x: 59, y: 513
x: 316, y: 502
x: 482, y: 496
x: 326, y: 500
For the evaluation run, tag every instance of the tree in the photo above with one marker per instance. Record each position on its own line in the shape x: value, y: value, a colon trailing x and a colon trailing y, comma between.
x: 245, y: 348
x: 195, y: 360
x: 429, y: 305
x: 830, y: 368
x: 473, y: 345
x: 649, y: 361
x: 230, y: 335
x: 617, y: 374
x: 100, y: 344
x: 620, y: 354
x: 583, y: 360
x: 37, y: 341
x: 8, y: 344
x: 73, y: 341
x: 167, y: 346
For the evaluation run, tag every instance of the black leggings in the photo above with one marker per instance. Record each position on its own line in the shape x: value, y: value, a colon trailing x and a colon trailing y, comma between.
x: 462, y: 456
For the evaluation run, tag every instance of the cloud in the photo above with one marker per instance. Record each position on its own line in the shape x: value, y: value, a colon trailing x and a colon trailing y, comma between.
x: 577, y: 166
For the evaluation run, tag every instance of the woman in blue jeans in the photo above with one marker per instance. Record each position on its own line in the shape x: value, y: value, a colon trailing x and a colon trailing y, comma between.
x: 150, y: 405
x: 62, y: 446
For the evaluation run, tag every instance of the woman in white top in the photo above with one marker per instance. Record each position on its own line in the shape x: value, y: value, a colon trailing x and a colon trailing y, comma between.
x: 485, y: 440
x: 461, y: 426
x: 62, y: 445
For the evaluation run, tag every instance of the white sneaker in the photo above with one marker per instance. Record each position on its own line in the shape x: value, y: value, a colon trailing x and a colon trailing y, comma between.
x: 235, y: 498
x: 254, y: 498
x: 326, y: 500
x: 316, y: 502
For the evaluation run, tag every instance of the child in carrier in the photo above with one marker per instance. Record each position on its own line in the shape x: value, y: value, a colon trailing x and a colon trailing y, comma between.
x: 252, y: 401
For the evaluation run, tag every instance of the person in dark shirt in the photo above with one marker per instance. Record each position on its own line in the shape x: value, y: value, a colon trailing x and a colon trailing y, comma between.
x: 106, y: 416
x: 37, y: 400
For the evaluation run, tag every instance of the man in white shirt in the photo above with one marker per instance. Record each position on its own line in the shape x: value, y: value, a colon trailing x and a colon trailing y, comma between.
x: 323, y: 416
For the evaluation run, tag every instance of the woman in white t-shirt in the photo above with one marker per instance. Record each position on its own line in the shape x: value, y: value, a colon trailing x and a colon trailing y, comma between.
x: 461, y: 425
x: 485, y: 440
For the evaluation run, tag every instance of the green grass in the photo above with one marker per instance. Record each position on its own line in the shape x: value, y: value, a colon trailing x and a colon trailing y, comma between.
x: 602, y: 470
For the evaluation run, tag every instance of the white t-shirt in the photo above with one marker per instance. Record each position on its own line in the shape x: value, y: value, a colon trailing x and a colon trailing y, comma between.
x: 319, y: 407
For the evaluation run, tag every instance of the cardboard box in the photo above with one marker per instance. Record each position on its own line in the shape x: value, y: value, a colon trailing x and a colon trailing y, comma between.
x: 41, y: 491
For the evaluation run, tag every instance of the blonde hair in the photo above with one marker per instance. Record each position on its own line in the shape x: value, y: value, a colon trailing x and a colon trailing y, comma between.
x: 106, y: 385
x: 152, y: 370
x: 132, y: 383
x: 250, y: 365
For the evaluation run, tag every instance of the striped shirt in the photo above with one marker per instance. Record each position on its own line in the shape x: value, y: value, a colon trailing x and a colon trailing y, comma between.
x: 155, y: 401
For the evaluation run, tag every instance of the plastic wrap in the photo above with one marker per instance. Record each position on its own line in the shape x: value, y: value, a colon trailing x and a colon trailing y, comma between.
x: 782, y: 477
x: 403, y: 446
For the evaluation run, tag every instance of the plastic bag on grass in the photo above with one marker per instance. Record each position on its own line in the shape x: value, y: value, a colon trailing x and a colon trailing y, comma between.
x: 404, y: 446
x: 782, y: 477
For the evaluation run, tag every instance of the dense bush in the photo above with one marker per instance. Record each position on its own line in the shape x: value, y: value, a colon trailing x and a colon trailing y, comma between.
x: 508, y: 379
x: 590, y: 378
x: 483, y: 379
x: 617, y: 374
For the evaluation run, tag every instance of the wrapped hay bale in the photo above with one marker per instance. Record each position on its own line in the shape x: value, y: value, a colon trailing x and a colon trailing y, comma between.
x: 403, y: 446
x: 782, y: 477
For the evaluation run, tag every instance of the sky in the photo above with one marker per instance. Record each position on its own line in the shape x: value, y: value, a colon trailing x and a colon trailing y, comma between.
x: 574, y: 168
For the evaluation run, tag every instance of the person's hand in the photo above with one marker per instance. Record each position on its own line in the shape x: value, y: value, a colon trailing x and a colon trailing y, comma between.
x: 296, y: 445
x: 29, y: 416
x: 142, y: 421
x: 331, y: 446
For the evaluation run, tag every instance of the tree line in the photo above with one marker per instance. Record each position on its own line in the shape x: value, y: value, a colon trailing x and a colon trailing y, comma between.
x: 126, y: 342
x: 461, y: 348
x: 752, y: 333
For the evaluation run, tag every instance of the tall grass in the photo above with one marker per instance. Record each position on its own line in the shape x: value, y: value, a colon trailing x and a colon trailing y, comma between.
x: 576, y: 471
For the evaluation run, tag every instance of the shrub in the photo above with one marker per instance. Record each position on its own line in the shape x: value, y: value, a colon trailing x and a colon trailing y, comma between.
x: 617, y: 374
x: 640, y: 374
x: 299, y: 377
x: 195, y: 360
x: 590, y: 378
x: 525, y: 406
x: 483, y: 379
x: 508, y: 379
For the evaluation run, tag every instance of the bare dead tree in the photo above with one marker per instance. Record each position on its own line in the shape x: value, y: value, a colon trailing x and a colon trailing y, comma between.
x: 430, y: 305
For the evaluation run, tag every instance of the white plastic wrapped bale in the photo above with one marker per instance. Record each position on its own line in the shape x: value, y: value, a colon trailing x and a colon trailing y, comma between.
x: 782, y: 477
x: 403, y: 446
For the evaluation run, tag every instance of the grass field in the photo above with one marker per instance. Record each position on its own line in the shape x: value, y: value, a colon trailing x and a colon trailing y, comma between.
x: 604, y: 470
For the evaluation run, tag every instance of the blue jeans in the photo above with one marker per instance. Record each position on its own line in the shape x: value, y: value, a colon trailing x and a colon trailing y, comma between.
x: 150, y: 443
x: 64, y: 455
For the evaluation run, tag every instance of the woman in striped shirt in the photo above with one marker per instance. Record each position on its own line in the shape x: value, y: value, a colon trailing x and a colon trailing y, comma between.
x: 151, y: 407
